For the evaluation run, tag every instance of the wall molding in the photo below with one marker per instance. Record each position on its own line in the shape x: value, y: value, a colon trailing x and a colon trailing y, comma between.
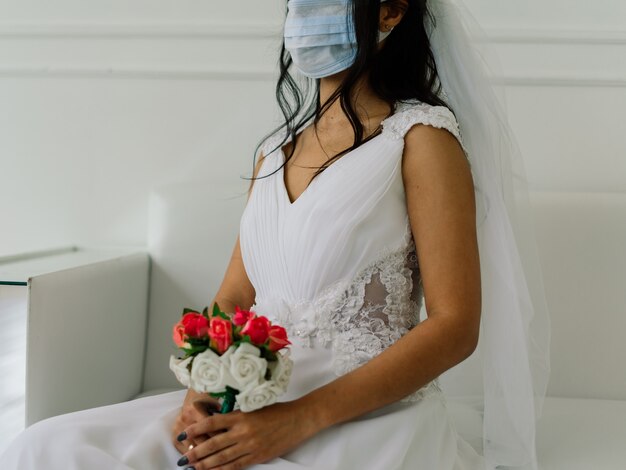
x: 227, y: 72
x: 39, y: 66
x: 560, y: 81
x: 260, y: 29
x: 125, y: 30
x: 546, y: 36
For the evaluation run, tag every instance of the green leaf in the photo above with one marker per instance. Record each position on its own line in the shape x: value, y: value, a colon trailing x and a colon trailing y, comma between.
x: 216, y: 310
x: 269, y: 355
x: 205, y: 312
x: 189, y: 310
x: 194, y: 349
x: 231, y: 390
x: 198, y: 341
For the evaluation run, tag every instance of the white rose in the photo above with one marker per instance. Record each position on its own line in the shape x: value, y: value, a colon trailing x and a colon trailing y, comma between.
x: 281, y: 371
x: 247, y: 366
x: 179, y: 367
x: 257, y: 397
x: 209, y: 373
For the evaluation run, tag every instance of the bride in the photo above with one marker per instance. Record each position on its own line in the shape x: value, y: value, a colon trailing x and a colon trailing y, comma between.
x: 363, y: 205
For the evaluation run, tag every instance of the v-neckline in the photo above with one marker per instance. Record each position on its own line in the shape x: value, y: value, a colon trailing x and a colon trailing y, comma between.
x: 283, y: 184
x: 399, y: 107
x: 283, y: 158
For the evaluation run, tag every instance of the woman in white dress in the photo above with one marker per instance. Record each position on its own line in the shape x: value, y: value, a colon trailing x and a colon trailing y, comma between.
x: 343, y: 258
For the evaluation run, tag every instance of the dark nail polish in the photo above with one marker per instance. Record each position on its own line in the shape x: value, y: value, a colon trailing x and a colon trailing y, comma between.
x: 190, y: 468
x: 183, y: 461
x: 182, y: 436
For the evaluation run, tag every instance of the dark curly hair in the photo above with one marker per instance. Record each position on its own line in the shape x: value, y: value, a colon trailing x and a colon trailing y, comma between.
x: 403, y: 69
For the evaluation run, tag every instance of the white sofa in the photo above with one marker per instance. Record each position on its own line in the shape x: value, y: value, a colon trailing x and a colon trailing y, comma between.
x: 582, y: 245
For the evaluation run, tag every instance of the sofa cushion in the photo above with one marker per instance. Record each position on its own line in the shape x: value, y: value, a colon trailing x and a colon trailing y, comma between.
x: 572, y: 433
x: 582, y: 434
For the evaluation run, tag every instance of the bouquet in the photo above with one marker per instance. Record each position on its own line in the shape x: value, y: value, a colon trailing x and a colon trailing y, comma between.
x: 240, y: 358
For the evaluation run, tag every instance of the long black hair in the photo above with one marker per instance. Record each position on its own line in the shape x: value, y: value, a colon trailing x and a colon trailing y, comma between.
x: 403, y: 69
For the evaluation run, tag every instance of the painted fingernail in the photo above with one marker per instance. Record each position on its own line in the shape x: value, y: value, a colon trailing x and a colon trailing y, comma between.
x: 182, y: 436
x: 183, y: 461
x: 190, y: 468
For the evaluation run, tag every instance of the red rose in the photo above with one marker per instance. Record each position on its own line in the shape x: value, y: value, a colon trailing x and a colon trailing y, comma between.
x: 196, y: 325
x: 242, y: 316
x: 278, y: 338
x: 221, y: 334
x: 258, y: 329
x: 179, y: 334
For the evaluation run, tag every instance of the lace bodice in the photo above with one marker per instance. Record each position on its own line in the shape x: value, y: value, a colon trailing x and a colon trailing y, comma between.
x: 361, y: 318
x: 339, y: 270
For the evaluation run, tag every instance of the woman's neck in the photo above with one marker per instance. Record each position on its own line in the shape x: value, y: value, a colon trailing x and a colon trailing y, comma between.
x: 364, y: 101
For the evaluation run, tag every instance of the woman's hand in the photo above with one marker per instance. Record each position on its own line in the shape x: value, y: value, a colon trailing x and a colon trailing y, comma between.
x: 249, y: 438
x: 195, y: 408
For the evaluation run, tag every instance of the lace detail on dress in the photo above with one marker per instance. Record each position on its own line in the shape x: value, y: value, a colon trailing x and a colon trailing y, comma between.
x: 409, y: 113
x: 361, y: 317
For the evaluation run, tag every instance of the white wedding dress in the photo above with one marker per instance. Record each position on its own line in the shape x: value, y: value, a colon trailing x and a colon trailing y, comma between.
x: 338, y: 268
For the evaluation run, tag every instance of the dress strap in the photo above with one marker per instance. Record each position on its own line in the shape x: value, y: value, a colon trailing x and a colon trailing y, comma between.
x: 272, y: 143
x: 409, y: 113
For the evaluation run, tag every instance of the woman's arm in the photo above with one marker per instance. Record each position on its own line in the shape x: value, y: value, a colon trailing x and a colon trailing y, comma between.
x: 440, y: 202
x: 235, y: 289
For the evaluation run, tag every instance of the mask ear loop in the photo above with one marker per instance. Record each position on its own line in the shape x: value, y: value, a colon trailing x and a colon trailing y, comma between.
x: 382, y: 35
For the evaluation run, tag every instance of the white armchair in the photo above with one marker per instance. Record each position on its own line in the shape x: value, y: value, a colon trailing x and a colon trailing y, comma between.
x: 98, y: 320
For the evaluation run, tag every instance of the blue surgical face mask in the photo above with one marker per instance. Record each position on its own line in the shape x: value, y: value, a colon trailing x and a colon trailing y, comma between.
x: 319, y: 35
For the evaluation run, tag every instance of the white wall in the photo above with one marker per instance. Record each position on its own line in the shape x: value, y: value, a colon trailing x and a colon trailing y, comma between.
x: 101, y: 101
x: 563, y: 65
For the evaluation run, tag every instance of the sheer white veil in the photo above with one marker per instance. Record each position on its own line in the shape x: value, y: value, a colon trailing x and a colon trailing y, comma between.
x: 513, y: 349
